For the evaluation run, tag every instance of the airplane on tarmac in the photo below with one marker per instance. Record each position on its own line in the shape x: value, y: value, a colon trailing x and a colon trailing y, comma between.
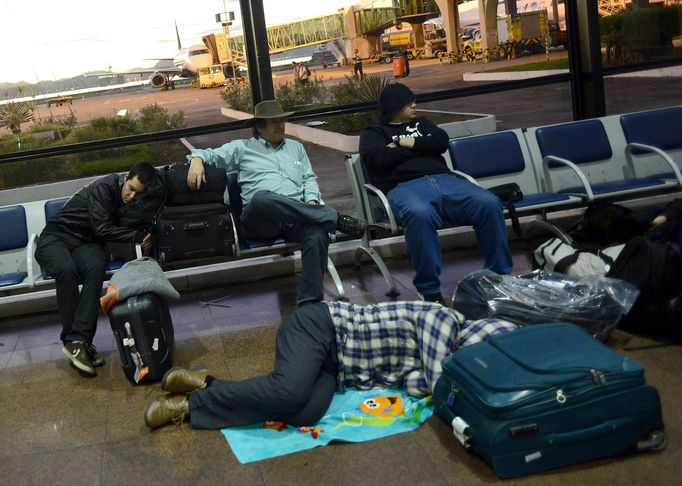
x: 186, y: 64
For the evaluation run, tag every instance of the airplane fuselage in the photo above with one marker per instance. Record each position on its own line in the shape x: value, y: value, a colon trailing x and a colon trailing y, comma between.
x: 190, y: 59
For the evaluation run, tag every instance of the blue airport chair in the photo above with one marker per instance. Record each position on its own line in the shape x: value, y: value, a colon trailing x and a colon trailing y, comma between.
x: 253, y: 247
x: 582, y: 152
x: 654, y: 142
x: 13, y: 246
x: 500, y: 158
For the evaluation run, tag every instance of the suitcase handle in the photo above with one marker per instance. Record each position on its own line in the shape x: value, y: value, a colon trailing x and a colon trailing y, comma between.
x: 198, y: 225
x: 590, y: 433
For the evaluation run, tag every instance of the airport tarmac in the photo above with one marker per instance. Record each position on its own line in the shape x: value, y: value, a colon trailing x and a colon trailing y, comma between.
x: 513, y: 109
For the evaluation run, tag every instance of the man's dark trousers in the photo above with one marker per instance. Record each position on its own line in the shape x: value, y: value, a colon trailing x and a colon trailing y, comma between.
x: 299, y: 390
x: 269, y: 216
x: 72, y: 262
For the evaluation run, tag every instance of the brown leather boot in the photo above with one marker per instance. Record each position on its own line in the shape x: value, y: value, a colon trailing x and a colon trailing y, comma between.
x: 166, y: 409
x: 181, y: 380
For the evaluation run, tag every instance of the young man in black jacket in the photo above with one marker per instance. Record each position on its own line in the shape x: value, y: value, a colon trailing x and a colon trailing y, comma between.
x: 403, y: 157
x: 71, y: 249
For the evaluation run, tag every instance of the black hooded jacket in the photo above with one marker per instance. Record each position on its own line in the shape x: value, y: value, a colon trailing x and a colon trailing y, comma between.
x: 388, y: 167
x: 89, y: 214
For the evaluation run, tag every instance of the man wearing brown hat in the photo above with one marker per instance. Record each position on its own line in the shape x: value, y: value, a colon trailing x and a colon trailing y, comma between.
x: 280, y: 193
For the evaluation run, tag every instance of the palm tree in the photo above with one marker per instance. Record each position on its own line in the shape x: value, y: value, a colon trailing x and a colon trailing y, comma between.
x: 12, y: 115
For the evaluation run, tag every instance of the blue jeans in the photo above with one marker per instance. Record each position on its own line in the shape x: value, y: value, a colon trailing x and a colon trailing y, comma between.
x: 422, y: 205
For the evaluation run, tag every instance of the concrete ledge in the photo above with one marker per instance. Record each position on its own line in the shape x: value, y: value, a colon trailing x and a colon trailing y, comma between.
x: 510, y: 75
x: 478, y: 124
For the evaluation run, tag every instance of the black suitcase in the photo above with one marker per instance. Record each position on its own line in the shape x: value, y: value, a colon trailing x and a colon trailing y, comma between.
x: 143, y: 330
x: 193, y: 232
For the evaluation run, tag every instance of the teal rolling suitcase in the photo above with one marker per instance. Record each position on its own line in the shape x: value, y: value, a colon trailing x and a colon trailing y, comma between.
x: 546, y: 396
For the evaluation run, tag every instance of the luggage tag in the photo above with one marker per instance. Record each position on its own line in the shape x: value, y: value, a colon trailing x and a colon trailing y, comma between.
x: 140, y: 369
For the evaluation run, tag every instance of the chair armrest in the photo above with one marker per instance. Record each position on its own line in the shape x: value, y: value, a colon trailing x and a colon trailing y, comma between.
x: 465, y: 176
x: 31, y: 263
x: 548, y: 180
x: 629, y: 148
x: 369, y: 189
x: 236, y: 247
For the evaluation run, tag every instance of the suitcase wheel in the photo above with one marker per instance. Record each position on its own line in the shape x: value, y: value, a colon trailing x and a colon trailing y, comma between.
x: 655, y: 442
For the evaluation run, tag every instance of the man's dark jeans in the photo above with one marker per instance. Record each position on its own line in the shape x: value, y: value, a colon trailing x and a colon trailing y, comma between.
x: 72, y: 262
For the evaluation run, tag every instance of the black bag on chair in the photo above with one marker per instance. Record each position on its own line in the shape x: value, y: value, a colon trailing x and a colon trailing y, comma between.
x: 211, y: 191
x: 509, y: 194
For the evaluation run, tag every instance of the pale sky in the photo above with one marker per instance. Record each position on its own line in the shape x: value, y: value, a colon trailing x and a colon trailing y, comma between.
x: 54, y: 39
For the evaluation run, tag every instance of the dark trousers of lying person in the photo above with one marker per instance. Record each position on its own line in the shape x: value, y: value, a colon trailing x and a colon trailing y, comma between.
x: 320, y: 349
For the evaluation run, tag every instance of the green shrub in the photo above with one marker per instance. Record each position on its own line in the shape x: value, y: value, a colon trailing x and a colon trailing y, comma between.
x: 121, y: 162
x: 154, y: 118
x: 353, y: 90
x: 294, y: 96
x: 640, y: 35
x: 238, y: 97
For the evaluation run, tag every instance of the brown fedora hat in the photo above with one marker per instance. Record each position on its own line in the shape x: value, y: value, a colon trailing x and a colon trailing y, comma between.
x: 270, y: 109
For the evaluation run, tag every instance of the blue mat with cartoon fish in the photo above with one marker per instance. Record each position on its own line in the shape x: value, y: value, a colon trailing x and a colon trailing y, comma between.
x: 353, y: 416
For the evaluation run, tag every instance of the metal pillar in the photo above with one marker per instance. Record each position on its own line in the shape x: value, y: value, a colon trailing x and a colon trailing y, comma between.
x: 584, y: 59
x: 510, y: 7
x: 256, y: 48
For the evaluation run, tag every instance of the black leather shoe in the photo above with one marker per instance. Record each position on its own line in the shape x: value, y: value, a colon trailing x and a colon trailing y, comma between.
x: 97, y: 359
x: 166, y: 409
x: 181, y: 380
x: 436, y: 297
x: 351, y: 226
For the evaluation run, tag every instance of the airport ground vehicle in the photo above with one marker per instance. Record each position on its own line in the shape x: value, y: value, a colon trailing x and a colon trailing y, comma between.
x: 60, y: 100
x: 557, y: 36
x: 211, y: 76
x: 395, y: 42
x: 516, y: 34
x: 217, y: 75
x: 324, y: 58
x: 435, y: 43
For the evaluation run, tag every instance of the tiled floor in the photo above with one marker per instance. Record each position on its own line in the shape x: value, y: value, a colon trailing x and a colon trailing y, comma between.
x: 57, y: 427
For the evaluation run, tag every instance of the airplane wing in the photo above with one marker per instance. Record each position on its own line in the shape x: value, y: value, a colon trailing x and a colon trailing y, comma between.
x: 168, y: 71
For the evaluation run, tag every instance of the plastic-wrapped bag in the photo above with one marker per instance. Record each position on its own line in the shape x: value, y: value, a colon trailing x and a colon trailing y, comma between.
x: 594, y: 302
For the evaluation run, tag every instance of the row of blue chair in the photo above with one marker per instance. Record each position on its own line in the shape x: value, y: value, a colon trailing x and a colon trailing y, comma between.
x: 557, y: 167
x: 24, y: 222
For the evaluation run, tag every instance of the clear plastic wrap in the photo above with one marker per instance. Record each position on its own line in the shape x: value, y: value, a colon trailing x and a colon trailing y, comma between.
x: 594, y: 303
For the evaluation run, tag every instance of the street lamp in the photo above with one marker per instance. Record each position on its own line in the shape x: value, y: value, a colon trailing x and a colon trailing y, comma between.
x: 226, y: 18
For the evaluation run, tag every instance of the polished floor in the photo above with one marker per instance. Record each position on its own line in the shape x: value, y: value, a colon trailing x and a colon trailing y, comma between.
x: 58, y: 427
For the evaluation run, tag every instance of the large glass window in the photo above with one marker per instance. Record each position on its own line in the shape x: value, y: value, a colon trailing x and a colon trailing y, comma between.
x: 78, y: 78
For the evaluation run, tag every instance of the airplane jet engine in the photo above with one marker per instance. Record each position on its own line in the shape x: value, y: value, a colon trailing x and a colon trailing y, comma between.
x: 158, y: 80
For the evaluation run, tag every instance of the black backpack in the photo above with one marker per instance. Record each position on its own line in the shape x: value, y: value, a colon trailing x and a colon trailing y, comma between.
x: 654, y: 266
x: 213, y: 190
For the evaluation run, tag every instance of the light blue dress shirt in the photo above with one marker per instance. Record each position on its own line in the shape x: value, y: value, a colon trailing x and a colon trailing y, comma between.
x: 284, y: 169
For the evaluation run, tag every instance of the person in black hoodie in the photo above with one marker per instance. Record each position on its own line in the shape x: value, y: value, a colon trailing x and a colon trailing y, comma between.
x: 71, y: 249
x: 403, y: 157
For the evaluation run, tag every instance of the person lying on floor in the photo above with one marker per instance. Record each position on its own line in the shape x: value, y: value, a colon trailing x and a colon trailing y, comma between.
x: 322, y: 348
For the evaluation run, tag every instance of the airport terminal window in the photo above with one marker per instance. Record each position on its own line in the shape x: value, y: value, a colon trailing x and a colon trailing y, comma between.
x: 628, y: 37
x: 636, y: 35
